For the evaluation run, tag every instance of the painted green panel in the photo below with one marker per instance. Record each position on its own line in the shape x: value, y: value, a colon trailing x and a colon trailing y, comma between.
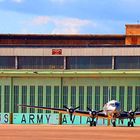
x: 133, y: 98
x: 65, y: 96
x: 113, y: 92
x: 56, y: 96
x: 121, y: 96
x: 16, y: 98
x: 105, y: 94
x: 81, y: 97
x: 93, y: 97
x: 129, y: 97
x: 89, y: 97
x: 40, y: 98
x: 137, y: 99
x: 85, y: 98
x: 6, y: 99
x: 32, y: 98
x: 97, y: 98
x: 44, y: 97
x: 73, y: 96
x: 48, y: 97
x: 24, y: 98
x: 69, y: 96
x: 0, y: 98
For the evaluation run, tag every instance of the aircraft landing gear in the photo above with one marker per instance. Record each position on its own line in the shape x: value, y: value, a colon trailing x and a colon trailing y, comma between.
x: 93, y: 123
x: 114, y: 123
x: 131, y: 123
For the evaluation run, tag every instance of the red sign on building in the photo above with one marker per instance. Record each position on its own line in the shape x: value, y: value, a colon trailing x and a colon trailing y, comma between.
x: 56, y: 51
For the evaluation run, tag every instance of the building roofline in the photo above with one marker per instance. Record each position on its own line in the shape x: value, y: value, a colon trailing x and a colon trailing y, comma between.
x: 133, y: 25
x: 66, y: 35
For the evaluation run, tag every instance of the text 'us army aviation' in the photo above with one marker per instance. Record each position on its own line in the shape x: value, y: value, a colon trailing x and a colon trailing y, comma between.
x: 111, y: 111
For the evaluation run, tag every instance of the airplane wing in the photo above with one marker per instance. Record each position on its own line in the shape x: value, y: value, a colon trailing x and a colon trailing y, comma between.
x: 47, y: 108
x: 137, y: 114
x: 126, y: 115
x: 66, y: 111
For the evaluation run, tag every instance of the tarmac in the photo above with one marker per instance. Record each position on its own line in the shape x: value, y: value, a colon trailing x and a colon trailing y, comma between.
x: 67, y: 132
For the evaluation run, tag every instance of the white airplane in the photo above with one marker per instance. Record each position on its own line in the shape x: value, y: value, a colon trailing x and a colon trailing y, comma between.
x: 111, y: 111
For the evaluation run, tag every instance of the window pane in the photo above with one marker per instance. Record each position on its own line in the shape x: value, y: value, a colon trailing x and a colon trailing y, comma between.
x: 113, y: 92
x: 81, y: 97
x: 65, y: 96
x: 41, y: 62
x: 6, y: 99
x: 89, y: 97
x: 105, y: 94
x: 24, y: 98
x: 16, y: 98
x: 97, y: 98
x: 73, y: 96
x: 7, y: 62
x: 56, y: 96
x: 32, y: 98
x: 127, y: 62
x: 129, y: 98
x: 48, y: 97
x: 89, y: 62
x: 40, y: 98
x: 137, y: 99
x: 121, y: 93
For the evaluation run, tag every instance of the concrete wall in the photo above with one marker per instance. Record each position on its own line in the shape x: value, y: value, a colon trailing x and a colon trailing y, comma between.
x: 95, y: 51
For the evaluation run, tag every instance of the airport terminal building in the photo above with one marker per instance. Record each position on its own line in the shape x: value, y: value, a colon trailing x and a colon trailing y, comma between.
x: 72, y: 70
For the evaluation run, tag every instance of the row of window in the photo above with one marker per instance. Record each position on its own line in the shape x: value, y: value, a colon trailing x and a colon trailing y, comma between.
x: 72, y: 62
x: 84, y: 97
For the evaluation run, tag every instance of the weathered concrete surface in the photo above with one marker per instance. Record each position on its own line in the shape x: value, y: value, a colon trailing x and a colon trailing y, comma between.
x: 56, y: 132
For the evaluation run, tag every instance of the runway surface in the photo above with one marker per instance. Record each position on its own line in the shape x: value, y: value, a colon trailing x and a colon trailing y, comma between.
x: 57, y: 132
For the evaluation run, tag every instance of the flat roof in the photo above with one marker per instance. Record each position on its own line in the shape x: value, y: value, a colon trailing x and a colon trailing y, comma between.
x: 62, y: 36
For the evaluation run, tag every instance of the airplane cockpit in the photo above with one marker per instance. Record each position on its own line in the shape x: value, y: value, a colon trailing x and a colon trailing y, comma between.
x: 115, y: 104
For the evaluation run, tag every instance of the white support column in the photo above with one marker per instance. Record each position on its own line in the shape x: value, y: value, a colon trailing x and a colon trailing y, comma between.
x: 16, y: 62
x: 65, y: 61
x: 113, y: 62
x: 44, y: 97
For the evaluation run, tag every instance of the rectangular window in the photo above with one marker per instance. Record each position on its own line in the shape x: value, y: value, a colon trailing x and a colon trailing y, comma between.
x: 32, y: 98
x: 129, y: 98
x: 56, y: 96
x: 97, y: 98
x: 121, y: 93
x: 6, y: 98
x: 137, y: 97
x: 127, y: 62
x: 16, y: 98
x: 81, y: 97
x: 73, y: 96
x: 89, y: 97
x: 40, y: 98
x: 105, y: 94
x: 113, y: 92
x: 89, y: 62
x: 65, y: 96
x: 41, y: 62
x: 48, y: 97
x: 7, y: 62
x: 24, y: 98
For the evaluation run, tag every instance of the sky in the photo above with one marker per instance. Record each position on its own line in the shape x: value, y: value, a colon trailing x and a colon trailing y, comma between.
x: 67, y: 16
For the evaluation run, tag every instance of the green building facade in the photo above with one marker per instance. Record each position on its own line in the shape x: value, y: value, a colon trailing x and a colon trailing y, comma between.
x: 73, y: 88
x: 70, y: 70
